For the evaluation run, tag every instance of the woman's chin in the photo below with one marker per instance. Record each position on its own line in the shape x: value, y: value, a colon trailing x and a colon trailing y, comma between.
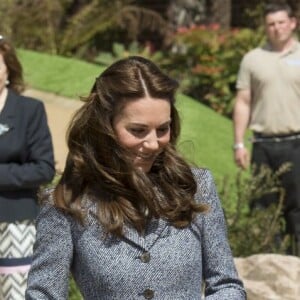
x: 144, y: 167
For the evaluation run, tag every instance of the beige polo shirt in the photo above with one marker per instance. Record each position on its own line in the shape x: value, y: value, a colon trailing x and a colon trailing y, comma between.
x: 274, y: 82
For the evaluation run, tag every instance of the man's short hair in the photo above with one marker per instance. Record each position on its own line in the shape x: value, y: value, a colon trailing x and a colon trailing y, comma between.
x: 278, y: 6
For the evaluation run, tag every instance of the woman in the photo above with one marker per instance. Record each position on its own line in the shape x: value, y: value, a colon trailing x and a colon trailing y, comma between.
x: 26, y: 161
x: 129, y: 217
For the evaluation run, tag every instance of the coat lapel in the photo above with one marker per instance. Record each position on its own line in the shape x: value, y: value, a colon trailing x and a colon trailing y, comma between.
x: 133, y: 237
x: 157, y: 228
x: 9, y: 112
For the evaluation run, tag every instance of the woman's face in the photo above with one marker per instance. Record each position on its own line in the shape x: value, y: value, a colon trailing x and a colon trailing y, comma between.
x: 3, y: 73
x: 143, y: 128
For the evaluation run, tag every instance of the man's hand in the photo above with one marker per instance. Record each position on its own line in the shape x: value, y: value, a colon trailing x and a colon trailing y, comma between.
x: 241, y: 157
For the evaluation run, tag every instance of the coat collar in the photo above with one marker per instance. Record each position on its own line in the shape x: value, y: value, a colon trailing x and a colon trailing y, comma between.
x: 157, y: 228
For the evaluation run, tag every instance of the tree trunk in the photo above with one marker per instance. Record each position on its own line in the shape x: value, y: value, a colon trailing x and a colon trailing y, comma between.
x: 219, y: 11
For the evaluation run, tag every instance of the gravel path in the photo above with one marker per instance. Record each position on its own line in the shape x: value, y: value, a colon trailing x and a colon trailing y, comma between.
x: 59, y: 111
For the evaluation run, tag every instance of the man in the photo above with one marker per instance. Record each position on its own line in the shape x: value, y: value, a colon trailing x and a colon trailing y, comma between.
x: 268, y: 101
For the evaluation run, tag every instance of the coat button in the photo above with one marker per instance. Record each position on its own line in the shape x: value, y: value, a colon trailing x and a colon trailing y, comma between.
x: 145, y: 257
x: 148, y: 294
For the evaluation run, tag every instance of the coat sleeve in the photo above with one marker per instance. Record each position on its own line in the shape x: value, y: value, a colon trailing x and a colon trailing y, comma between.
x: 53, y: 252
x: 38, y: 166
x: 219, y: 272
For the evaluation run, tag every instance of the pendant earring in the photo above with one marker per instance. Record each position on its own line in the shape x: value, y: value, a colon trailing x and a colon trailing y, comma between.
x: 7, y: 82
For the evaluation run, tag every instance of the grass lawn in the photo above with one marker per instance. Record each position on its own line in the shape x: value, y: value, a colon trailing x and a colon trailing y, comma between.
x: 60, y: 75
x: 206, y: 137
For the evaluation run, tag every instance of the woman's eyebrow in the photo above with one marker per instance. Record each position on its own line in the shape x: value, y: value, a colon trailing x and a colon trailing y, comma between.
x: 144, y: 125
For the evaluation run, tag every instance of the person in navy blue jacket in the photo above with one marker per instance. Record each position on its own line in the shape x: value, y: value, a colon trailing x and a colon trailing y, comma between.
x: 129, y: 217
x: 26, y: 162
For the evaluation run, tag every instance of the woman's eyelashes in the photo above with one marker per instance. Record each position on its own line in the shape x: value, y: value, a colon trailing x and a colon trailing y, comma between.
x: 143, y: 131
x: 163, y: 130
x: 138, y: 131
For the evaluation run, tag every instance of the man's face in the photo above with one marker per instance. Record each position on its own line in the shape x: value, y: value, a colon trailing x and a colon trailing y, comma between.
x: 279, y: 28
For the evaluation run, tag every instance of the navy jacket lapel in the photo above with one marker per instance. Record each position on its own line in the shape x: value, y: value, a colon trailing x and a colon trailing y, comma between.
x: 9, y: 111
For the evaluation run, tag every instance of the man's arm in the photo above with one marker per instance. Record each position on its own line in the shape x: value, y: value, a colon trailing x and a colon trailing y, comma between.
x: 241, y: 117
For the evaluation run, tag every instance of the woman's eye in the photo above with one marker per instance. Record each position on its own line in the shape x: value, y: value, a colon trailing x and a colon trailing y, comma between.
x: 140, y: 132
x: 163, y: 130
x: 137, y: 131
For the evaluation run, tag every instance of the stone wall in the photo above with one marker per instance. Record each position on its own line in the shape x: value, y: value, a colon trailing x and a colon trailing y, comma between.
x: 270, y: 276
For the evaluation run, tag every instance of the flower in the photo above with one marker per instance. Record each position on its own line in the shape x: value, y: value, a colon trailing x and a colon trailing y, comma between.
x: 3, y: 128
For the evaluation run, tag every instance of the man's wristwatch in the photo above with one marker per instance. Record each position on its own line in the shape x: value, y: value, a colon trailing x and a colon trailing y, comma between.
x: 238, y: 146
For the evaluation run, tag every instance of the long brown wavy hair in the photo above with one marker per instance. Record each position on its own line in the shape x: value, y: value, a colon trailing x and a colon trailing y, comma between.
x: 13, y: 65
x: 98, y: 166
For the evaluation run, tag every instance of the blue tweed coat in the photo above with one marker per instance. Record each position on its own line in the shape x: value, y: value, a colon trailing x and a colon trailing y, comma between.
x: 166, y: 263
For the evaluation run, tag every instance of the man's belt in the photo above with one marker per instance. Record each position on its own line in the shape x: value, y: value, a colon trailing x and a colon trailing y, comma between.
x: 260, y: 137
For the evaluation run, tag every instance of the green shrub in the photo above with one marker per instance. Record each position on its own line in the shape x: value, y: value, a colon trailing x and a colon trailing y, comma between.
x: 119, y: 51
x: 258, y: 230
x: 206, y: 61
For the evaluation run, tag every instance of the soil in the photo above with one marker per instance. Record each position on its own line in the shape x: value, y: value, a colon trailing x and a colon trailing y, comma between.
x: 59, y: 112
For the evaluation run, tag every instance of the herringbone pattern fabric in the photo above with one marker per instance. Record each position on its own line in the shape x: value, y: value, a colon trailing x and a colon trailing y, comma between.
x: 13, y: 286
x: 16, y: 239
x: 166, y: 263
x: 16, y: 242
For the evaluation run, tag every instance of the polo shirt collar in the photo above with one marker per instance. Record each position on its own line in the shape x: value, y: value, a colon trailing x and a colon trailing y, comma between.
x: 294, y: 48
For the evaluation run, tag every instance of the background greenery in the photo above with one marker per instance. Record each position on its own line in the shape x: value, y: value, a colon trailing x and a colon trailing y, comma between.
x: 200, y: 49
x: 65, y: 76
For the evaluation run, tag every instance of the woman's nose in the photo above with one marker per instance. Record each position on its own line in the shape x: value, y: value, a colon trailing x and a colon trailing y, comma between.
x: 151, y: 142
